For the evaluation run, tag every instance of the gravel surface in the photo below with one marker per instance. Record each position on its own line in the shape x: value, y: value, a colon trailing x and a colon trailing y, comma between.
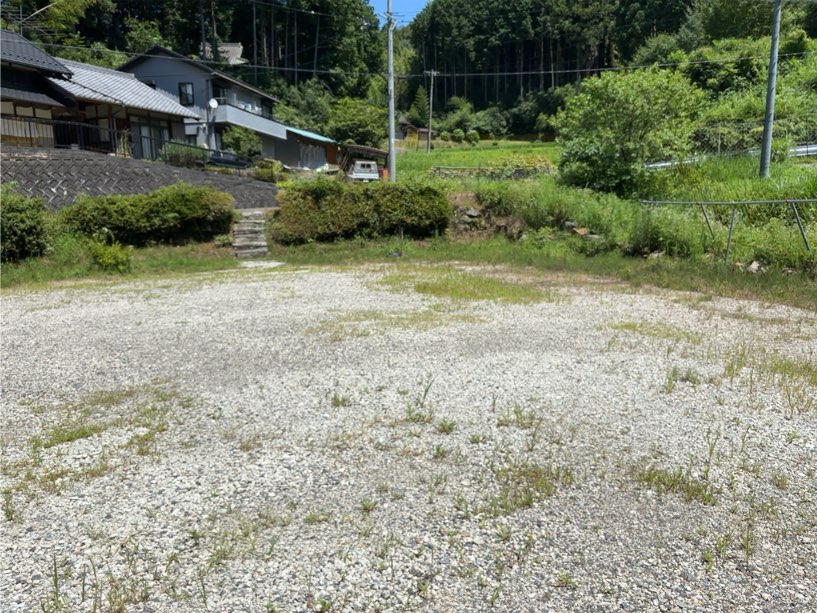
x: 293, y: 440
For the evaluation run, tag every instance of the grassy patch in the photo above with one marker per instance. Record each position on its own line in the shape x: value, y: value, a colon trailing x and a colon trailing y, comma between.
x: 558, y: 258
x: 678, y: 481
x: 68, y: 434
x: 362, y: 323
x: 417, y: 164
x: 659, y: 330
x: 453, y: 284
x: 521, y: 485
x: 148, y: 262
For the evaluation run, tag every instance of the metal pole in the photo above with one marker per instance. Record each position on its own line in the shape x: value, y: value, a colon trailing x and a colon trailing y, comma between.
x: 254, y: 46
x: 729, y: 239
x: 430, y: 110
x: 709, y: 225
x: 390, y: 27
x: 800, y: 225
x: 768, y: 125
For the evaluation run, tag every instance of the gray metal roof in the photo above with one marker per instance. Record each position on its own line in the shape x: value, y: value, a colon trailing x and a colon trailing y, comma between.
x: 17, y: 50
x: 119, y: 88
x: 23, y: 95
x: 158, y: 51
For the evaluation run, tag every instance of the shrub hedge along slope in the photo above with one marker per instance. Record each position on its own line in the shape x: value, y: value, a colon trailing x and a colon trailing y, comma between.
x: 326, y: 210
x: 175, y: 214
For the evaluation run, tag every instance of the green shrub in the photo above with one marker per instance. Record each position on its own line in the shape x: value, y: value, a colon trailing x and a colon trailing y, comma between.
x: 458, y: 135
x: 269, y: 170
x: 325, y: 210
x: 182, y: 154
x: 496, y: 197
x: 175, y: 214
x: 109, y: 255
x: 472, y: 137
x: 22, y: 226
x: 445, y: 136
x: 241, y: 141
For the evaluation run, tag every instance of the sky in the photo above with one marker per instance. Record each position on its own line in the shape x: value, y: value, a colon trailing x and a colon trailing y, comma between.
x: 404, y: 10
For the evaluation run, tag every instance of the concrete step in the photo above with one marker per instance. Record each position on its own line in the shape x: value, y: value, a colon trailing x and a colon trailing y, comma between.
x: 252, y: 253
x: 249, y: 244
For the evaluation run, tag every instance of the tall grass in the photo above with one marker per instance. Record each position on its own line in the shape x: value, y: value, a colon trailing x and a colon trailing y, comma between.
x: 737, y: 179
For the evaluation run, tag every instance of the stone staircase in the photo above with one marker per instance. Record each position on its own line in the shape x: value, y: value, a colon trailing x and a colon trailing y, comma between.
x: 248, y: 234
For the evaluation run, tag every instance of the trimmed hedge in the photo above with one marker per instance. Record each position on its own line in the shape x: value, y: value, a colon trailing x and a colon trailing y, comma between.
x: 22, y: 226
x: 325, y: 210
x: 176, y: 214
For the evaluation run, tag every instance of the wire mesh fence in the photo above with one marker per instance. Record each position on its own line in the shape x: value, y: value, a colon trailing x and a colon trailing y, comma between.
x: 734, y: 206
x: 791, y: 137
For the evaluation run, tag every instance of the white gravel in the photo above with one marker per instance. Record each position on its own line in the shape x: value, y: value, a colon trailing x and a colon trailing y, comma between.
x: 253, y: 441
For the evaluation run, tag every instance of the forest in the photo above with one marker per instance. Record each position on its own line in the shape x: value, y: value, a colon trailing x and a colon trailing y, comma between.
x: 498, y: 67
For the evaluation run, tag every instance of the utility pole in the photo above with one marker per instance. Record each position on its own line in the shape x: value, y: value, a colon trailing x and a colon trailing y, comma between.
x: 203, y: 36
x: 390, y: 26
x: 768, y: 120
x: 433, y: 74
x: 254, y: 46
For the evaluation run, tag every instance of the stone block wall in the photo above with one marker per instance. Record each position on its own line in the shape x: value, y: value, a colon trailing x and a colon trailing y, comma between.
x: 59, y: 175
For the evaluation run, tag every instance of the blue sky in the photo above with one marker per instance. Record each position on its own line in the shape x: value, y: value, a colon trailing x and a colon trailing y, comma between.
x: 404, y: 10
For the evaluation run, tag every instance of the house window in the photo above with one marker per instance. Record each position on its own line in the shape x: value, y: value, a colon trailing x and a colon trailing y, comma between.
x: 186, y: 94
x: 219, y: 92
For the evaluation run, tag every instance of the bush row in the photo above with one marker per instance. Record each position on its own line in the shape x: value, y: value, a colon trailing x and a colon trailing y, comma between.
x: 172, y: 215
x: 326, y: 210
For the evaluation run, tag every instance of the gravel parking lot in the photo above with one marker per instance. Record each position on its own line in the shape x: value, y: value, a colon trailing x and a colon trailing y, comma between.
x: 342, y: 440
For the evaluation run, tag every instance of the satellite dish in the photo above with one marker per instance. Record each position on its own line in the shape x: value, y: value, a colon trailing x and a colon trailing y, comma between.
x: 213, y: 104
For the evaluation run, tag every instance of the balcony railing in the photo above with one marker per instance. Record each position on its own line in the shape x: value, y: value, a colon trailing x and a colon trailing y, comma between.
x: 57, y: 134
x: 248, y: 116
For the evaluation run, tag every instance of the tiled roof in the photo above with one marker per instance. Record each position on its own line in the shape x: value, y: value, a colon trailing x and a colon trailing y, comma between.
x: 17, y: 50
x: 23, y: 95
x: 120, y: 88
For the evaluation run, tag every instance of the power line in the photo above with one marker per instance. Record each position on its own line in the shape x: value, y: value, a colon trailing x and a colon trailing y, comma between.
x: 341, y: 72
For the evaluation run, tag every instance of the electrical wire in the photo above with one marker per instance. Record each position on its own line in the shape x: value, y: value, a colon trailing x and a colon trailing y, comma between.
x: 341, y: 72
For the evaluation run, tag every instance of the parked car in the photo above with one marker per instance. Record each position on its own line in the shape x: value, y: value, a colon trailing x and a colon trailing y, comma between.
x: 363, y: 170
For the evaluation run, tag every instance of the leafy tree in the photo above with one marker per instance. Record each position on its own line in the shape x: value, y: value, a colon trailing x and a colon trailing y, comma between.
x: 418, y: 113
x: 307, y: 105
x: 491, y: 121
x: 715, y: 68
x: 242, y: 141
x: 355, y: 121
x: 142, y: 35
x: 619, y: 122
x: 657, y: 49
